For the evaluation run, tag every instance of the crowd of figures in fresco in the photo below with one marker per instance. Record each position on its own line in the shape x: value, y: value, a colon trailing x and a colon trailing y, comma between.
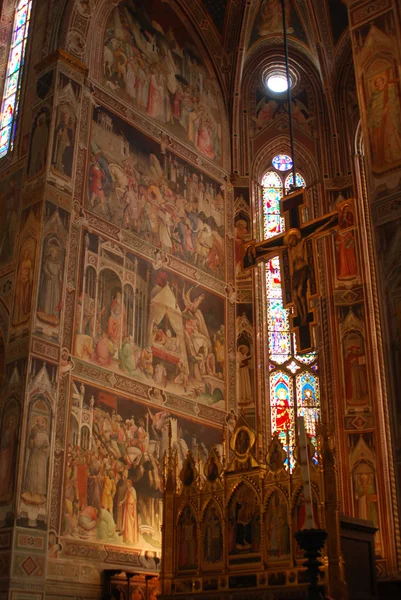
x: 147, y: 190
x: 144, y: 320
x: 144, y: 61
x: 114, y: 478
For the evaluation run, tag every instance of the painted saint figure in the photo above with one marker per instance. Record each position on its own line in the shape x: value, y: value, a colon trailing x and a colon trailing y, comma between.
x: 24, y: 286
x: 50, y: 288
x: 345, y: 245
x: 245, y: 396
x: 384, y: 121
x: 63, y: 150
x: 8, y: 444
x: 35, y: 484
x: 213, y: 540
x: 130, y: 515
x: 117, y: 320
x: 188, y: 541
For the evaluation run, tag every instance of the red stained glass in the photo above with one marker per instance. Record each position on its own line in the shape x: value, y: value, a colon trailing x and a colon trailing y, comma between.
x: 12, y: 84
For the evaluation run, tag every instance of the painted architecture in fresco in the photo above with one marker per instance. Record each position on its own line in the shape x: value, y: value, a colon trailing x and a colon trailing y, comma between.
x: 149, y: 62
x: 140, y: 152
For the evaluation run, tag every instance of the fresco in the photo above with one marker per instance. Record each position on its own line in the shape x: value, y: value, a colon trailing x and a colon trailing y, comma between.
x: 34, y: 493
x: 144, y: 188
x: 364, y: 481
x: 50, y: 297
x: 269, y: 21
x: 149, y: 60
x: 381, y: 89
x: 242, y: 226
x: 136, y: 317
x: 113, y: 481
x: 244, y: 522
x: 9, y: 205
x: 245, y: 360
x: 39, y: 142
x: 346, y: 262
x: 268, y: 109
x: 64, y: 131
x: 29, y: 233
x: 355, y: 366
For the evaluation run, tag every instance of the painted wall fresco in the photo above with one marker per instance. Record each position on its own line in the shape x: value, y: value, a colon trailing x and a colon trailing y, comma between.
x: 150, y: 60
x: 245, y: 360
x: 242, y: 227
x: 389, y: 249
x: 113, y: 481
x: 364, y: 482
x: 8, y: 454
x: 24, y: 283
x: 378, y: 67
x: 39, y: 142
x: 62, y: 156
x: 269, y: 108
x: 355, y: 368
x: 144, y: 188
x: 269, y: 21
x: 345, y: 242
x: 9, y: 206
x: 33, y: 501
x: 139, y: 318
x: 51, y: 278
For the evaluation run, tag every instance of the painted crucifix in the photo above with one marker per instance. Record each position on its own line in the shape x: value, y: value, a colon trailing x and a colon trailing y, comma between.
x: 297, y: 260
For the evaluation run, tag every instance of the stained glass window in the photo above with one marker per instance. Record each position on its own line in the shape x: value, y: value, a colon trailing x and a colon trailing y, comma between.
x: 12, y: 83
x: 293, y: 379
x: 282, y: 162
x: 298, y: 178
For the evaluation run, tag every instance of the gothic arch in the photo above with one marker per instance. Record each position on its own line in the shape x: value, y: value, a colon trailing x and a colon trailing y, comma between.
x: 80, y: 36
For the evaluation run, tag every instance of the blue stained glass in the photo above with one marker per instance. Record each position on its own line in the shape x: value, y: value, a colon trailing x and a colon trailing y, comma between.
x: 272, y: 179
x: 282, y: 162
x: 291, y: 394
x: 8, y: 112
x: 298, y: 178
x: 12, y: 84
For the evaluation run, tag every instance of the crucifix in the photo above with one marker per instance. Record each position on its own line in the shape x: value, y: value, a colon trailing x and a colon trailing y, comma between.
x: 296, y: 248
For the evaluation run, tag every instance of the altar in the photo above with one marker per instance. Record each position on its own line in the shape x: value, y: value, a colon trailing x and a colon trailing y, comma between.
x: 229, y: 524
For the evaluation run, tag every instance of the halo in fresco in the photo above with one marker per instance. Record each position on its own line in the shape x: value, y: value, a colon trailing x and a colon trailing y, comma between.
x: 149, y: 61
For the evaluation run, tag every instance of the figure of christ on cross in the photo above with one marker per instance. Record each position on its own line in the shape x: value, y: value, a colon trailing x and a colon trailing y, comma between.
x: 296, y: 250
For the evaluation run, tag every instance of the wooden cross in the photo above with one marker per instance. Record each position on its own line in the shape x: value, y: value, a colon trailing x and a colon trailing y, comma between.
x: 297, y: 263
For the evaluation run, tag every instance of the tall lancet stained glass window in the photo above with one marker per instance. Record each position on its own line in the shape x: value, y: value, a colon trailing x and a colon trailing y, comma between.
x: 12, y: 82
x: 293, y: 377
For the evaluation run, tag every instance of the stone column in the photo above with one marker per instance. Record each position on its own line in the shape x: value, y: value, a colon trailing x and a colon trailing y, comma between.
x: 375, y: 31
x: 36, y: 384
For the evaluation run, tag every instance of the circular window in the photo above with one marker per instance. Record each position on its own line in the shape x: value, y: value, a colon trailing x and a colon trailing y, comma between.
x: 282, y: 162
x: 274, y: 77
x: 277, y: 83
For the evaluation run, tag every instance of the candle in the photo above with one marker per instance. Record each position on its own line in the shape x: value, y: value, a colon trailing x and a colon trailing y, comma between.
x: 304, y: 462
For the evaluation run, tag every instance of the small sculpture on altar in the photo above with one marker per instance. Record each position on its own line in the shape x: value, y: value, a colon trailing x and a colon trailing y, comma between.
x: 276, y: 455
x: 188, y: 472
x: 213, y: 467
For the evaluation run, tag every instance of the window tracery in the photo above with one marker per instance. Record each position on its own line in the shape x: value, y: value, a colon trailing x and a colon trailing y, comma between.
x: 293, y: 377
x: 12, y: 82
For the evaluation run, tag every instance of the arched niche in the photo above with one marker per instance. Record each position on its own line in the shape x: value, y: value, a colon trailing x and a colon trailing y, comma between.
x: 149, y: 55
x: 243, y: 522
x: 212, y: 536
x: 9, y: 432
x: 187, y: 537
x: 277, y: 528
